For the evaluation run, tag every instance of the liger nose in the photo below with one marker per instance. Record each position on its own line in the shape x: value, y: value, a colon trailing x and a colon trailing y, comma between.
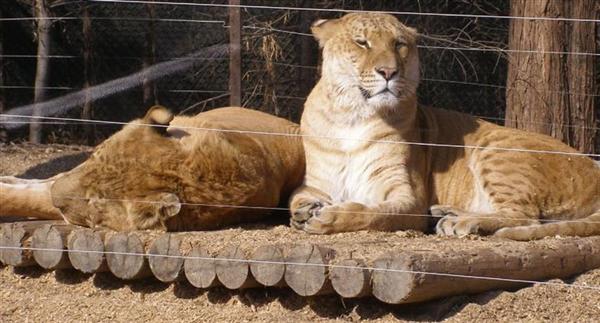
x: 387, y: 72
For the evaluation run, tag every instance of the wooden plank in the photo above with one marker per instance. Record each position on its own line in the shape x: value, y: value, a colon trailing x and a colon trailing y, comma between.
x: 235, y: 54
x: 87, y: 240
x: 307, y: 274
x: 166, y: 269
x: 404, y: 277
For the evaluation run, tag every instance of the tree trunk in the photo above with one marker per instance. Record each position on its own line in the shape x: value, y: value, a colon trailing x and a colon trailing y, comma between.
x: 88, y: 76
x: 41, y: 73
x: 547, y: 92
x: 235, y: 54
x: 149, y: 87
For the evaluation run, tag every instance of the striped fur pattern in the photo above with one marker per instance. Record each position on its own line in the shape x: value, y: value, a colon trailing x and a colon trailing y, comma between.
x: 367, y: 94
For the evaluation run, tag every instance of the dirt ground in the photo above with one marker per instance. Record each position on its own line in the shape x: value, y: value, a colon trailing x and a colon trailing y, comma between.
x: 31, y: 294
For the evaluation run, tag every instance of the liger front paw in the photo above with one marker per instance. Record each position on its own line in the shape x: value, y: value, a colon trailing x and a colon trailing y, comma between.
x: 458, y: 226
x: 305, y: 211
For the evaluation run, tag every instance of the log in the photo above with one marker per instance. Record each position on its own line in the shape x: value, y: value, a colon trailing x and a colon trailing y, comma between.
x: 166, y: 269
x: 201, y: 271
x: 51, y: 237
x: 231, y: 273
x: 408, y: 281
x: 126, y: 258
x: 15, y: 241
x: 90, y: 262
x: 350, y: 279
x: 308, y: 280
x: 268, y: 274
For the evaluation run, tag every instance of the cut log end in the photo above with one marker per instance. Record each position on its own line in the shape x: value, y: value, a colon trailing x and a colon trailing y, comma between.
x: 200, y: 268
x: 12, y: 238
x: 306, y: 270
x: 86, y: 251
x: 232, y: 273
x: 125, y: 257
x: 166, y: 269
x: 48, y: 243
x: 269, y: 268
x: 392, y: 279
x: 350, y: 279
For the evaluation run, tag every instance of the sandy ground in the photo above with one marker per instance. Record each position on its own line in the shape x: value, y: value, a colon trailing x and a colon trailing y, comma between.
x: 32, y: 294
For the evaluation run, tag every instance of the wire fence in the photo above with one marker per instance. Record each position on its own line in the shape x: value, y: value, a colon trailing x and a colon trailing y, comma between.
x: 464, y: 47
x: 278, y: 62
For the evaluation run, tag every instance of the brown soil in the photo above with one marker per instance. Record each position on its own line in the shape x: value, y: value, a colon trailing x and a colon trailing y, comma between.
x: 31, y: 294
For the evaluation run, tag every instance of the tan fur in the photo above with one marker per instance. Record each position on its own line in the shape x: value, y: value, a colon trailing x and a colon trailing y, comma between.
x: 358, y: 183
x: 151, y: 177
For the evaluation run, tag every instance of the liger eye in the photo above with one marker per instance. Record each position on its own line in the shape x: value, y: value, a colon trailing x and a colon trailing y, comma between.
x: 362, y: 43
x: 400, y: 45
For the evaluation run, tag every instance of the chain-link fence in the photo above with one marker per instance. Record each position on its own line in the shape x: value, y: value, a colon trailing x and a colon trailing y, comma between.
x: 279, y: 58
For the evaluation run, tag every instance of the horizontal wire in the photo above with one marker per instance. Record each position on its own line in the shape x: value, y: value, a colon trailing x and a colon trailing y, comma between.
x: 120, y: 19
x: 405, y: 13
x: 304, y: 264
x: 281, y: 134
x: 565, y: 125
x: 498, y: 50
x: 247, y: 207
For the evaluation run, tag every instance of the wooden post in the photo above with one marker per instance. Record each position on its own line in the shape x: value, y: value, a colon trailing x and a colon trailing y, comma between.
x: 88, y: 75
x: 3, y: 135
x: 308, y: 55
x: 552, y: 93
x: 306, y: 273
x: 2, y: 93
x: 87, y: 240
x: 166, y: 269
x: 125, y: 257
x: 200, y: 272
x: 268, y: 274
x: 41, y: 73
x: 235, y: 54
x: 150, y: 97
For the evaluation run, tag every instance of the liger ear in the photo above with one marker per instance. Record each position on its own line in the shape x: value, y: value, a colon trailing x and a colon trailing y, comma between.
x: 158, y: 115
x: 324, y: 29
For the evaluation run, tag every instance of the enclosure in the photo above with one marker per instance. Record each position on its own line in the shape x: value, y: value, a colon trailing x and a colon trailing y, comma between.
x: 84, y: 68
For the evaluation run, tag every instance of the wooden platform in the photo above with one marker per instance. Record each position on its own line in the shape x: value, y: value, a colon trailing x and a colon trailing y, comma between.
x: 393, y: 269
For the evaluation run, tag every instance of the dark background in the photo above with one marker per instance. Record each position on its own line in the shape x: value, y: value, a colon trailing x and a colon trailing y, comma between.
x: 278, y: 67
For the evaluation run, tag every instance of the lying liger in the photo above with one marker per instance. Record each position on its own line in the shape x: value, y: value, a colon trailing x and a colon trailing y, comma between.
x: 172, y: 174
x: 361, y: 170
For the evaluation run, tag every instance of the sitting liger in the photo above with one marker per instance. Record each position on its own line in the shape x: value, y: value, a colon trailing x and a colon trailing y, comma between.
x: 377, y: 160
x: 182, y: 173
